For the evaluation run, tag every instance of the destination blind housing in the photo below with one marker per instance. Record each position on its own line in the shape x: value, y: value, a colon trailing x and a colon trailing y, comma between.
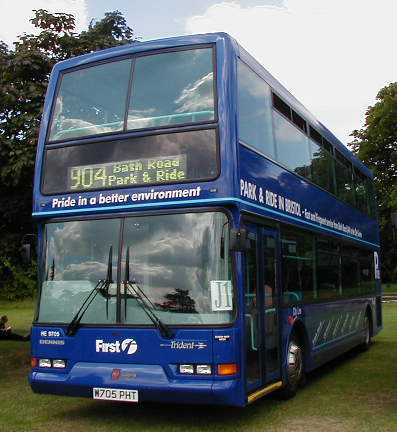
x: 136, y: 161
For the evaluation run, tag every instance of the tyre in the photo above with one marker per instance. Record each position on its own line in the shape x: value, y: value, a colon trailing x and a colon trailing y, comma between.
x: 295, y: 375
x: 367, y: 339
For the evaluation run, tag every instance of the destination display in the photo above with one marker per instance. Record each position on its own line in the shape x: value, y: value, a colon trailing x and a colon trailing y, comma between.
x: 169, y: 158
x: 128, y: 173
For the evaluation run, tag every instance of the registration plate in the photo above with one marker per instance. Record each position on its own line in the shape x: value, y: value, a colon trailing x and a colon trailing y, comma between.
x: 122, y: 395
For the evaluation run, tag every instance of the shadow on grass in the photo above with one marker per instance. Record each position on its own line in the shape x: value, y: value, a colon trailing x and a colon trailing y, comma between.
x: 333, y: 365
x: 378, y: 349
x: 203, y: 417
x: 153, y: 415
x: 158, y: 416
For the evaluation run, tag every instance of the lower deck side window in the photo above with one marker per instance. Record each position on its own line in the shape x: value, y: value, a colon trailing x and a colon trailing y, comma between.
x: 318, y: 268
x: 298, y: 266
x: 328, y: 275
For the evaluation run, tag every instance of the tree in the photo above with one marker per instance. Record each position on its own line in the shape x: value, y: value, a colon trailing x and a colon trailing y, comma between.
x: 24, y: 74
x: 178, y: 301
x: 376, y: 145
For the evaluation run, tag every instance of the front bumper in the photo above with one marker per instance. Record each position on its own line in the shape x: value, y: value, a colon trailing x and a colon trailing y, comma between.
x: 152, y: 382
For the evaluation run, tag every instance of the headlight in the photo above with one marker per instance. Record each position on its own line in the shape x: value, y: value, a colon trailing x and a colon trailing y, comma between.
x: 60, y: 364
x: 203, y: 369
x: 186, y: 369
x: 45, y: 363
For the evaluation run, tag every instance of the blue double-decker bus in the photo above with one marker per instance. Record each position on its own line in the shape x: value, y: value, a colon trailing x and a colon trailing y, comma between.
x: 202, y: 237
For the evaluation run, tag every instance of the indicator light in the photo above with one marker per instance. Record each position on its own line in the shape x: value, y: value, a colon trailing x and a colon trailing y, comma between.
x: 34, y: 362
x: 227, y: 369
x: 203, y: 369
x: 186, y: 369
x: 45, y: 363
x: 59, y: 364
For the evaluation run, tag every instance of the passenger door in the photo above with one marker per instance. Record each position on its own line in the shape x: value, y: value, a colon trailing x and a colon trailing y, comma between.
x: 252, y: 313
x: 261, y: 307
x: 270, y: 305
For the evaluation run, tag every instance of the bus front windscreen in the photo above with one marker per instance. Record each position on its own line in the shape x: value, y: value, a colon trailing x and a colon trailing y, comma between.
x: 181, y: 262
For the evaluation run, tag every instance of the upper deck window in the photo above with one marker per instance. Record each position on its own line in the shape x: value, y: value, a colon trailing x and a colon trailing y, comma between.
x: 254, y: 111
x: 172, y: 88
x: 166, y: 89
x: 344, y: 178
x: 292, y: 145
x: 91, y: 101
x: 281, y: 106
x: 270, y: 125
x: 322, y: 173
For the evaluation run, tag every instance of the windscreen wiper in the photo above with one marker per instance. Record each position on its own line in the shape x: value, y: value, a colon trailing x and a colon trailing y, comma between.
x: 101, y: 287
x: 143, y: 300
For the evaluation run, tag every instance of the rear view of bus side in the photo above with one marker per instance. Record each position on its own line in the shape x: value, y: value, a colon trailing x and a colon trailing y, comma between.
x: 202, y: 237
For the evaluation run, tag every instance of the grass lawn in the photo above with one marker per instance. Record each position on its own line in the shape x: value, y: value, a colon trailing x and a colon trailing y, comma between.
x: 355, y: 393
x: 390, y: 288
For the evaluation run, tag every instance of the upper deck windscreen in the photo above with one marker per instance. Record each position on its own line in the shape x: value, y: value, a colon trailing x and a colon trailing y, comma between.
x: 166, y: 89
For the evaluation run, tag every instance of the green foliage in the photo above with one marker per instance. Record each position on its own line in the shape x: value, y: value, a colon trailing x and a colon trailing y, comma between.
x: 24, y: 74
x: 376, y: 145
x: 21, y: 281
x: 389, y: 288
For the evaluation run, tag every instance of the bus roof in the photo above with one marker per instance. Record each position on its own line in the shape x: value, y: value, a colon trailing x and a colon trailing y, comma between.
x: 221, y: 37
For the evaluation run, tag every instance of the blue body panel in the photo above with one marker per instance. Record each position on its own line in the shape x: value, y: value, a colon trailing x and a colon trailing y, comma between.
x: 330, y: 214
x: 331, y: 328
x: 152, y: 369
x: 226, y: 114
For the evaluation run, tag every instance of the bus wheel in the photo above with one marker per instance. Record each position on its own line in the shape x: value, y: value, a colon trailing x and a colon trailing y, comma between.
x: 367, y: 340
x: 295, y: 370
